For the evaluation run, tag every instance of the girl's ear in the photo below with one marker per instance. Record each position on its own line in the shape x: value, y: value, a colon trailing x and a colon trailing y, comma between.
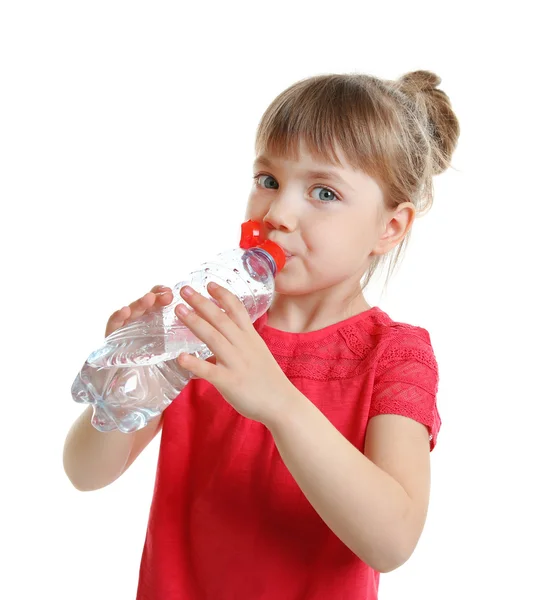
x: 394, y: 227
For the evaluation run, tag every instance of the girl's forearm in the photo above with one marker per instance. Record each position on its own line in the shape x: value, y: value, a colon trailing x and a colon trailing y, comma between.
x: 362, y: 504
x: 93, y: 459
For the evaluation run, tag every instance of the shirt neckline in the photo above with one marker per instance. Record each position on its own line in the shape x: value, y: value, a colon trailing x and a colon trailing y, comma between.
x: 311, y: 336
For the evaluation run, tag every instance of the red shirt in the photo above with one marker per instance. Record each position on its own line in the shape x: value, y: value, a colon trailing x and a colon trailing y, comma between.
x: 228, y: 521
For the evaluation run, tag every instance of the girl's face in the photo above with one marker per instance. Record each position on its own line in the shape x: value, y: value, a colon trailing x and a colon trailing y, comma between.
x: 327, y: 218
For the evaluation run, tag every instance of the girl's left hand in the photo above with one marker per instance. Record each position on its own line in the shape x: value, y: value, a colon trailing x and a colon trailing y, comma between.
x: 244, y: 371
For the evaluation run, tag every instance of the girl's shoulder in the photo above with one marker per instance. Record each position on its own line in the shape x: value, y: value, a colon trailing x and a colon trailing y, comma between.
x: 375, y: 329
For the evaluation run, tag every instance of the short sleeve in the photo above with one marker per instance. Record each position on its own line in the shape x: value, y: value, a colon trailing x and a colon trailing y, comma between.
x: 406, y: 381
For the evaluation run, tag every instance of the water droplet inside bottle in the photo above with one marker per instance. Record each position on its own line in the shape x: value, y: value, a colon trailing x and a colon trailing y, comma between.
x: 229, y: 282
x: 236, y: 271
x: 207, y: 269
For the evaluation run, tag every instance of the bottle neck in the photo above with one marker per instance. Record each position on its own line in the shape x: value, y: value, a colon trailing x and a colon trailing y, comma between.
x: 268, y: 257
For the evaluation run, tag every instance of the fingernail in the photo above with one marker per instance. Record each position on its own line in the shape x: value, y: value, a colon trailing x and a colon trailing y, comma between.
x: 182, y: 310
x: 187, y: 291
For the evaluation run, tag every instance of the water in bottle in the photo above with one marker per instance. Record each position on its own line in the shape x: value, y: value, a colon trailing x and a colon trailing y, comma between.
x: 134, y: 375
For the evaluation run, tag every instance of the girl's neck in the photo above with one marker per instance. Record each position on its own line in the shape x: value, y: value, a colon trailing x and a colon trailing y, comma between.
x: 301, y: 314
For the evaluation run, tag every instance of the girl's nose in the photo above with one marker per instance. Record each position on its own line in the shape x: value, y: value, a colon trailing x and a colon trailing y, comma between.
x: 281, y: 215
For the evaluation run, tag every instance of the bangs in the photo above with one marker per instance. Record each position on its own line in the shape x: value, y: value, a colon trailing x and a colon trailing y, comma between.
x: 331, y: 115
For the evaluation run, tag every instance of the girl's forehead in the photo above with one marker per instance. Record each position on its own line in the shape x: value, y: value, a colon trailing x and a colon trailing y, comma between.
x: 302, y: 154
x: 305, y: 163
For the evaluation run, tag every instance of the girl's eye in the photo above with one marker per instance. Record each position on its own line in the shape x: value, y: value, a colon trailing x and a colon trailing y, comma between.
x: 325, y: 194
x: 266, y: 181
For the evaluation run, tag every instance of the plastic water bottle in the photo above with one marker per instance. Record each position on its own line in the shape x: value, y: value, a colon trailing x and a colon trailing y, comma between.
x: 134, y: 375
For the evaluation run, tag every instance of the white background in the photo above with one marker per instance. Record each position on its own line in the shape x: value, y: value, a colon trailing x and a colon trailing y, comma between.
x: 126, y: 143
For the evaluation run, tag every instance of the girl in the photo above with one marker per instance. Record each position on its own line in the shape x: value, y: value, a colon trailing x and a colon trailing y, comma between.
x: 297, y: 465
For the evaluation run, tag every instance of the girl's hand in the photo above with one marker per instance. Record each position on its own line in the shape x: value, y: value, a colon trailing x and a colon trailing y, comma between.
x: 156, y: 299
x: 243, y: 369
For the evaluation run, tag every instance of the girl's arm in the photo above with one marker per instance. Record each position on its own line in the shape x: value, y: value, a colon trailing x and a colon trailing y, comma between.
x: 93, y: 459
x: 375, y: 502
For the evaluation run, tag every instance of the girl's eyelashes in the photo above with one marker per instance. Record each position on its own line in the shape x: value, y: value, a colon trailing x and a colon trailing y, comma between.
x: 269, y: 183
x: 325, y: 191
x: 258, y: 177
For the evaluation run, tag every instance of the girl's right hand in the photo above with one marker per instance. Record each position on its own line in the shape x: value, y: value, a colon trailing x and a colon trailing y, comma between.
x: 158, y: 297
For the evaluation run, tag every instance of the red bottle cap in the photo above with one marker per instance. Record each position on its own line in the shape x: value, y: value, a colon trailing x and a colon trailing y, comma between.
x: 252, y: 237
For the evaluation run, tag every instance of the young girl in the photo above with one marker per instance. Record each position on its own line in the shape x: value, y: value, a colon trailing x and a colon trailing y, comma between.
x: 296, y: 465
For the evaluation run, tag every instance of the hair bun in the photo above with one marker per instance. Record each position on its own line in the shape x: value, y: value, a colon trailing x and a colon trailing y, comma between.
x: 419, y: 81
x: 420, y: 87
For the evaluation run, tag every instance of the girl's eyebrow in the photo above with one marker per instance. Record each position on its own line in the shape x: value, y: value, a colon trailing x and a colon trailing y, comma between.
x: 262, y: 160
x: 312, y: 174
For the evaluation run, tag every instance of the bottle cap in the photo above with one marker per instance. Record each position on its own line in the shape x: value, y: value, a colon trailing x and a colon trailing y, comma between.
x: 252, y: 237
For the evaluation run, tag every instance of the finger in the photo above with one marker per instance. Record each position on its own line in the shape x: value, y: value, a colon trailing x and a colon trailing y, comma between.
x: 159, y: 288
x: 150, y: 302
x: 212, y: 315
x: 208, y: 333
x: 163, y: 298
x: 158, y: 297
x: 204, y: 369
x: 117, y: 320
x: 140, y: 306
x: 231, y: 305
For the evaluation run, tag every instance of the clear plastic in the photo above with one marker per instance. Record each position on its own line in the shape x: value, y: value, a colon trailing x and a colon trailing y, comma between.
x: 134, y: 375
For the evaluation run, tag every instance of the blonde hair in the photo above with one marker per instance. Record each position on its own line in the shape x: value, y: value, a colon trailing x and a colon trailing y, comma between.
x: 400, y: 132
